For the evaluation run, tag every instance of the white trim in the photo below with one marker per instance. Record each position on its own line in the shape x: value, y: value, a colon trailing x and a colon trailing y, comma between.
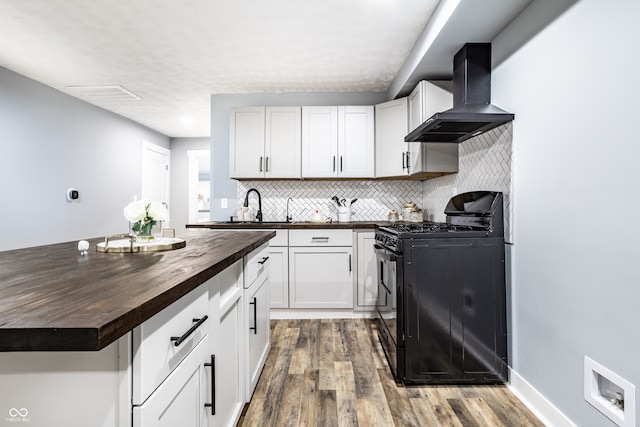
x: 286, y: 313
x: 536, y: 402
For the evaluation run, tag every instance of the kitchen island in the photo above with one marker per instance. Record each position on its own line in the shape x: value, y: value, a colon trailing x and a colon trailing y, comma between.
x: 115, y: 339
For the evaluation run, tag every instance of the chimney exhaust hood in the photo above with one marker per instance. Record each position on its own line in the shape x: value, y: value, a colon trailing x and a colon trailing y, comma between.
x: 472, y: 112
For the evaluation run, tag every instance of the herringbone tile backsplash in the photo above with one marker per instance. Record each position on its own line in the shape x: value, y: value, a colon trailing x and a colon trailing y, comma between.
x: 484, y: 164
x: 375, y: 198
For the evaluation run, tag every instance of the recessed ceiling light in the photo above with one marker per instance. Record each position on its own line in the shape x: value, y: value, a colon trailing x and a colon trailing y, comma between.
x: 106, y: 93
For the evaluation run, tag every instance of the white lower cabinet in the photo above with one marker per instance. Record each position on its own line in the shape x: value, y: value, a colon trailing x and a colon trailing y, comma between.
x: 367, y: 297
x: 257, y: 329
x: 180, y: 399
x: 279, y: 277
x: 321, y: 269
x: 229, y: 373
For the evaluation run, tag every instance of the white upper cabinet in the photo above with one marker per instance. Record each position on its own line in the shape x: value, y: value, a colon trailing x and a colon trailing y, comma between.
x: 264, y: 142
x: 319, y: 142
x: 338, y: 142
x: 392, y: 126
x: 356, y: 142
x: 282, y: 142
x: 246, y: 147
x: 426, y: 100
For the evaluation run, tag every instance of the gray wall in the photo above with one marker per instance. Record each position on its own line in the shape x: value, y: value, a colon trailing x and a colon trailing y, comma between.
x: 221, y: 185
x: 179, y: 208
x: 50, y: 142
x: 576, y: 264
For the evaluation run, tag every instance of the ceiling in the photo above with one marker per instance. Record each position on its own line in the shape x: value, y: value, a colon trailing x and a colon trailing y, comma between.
x: 174, y: 54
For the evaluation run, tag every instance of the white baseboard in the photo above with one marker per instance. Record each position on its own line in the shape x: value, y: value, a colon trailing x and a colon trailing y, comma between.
x: 537, y: 403
x: 287, y: 313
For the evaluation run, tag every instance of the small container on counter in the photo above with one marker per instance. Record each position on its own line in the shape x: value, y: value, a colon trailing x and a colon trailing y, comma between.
x: 393, y: 216
x: 407, y: 208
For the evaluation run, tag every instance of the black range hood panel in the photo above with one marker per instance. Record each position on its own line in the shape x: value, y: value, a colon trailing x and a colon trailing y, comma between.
x: 457, y: 126
x: 472, y: 112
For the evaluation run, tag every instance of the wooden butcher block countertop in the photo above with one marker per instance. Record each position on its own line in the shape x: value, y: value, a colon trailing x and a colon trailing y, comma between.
x: 54, y: 299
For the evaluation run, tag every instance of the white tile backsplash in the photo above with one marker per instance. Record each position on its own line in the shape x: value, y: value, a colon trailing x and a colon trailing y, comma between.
x: 484, y: 164
x: 375, y: 198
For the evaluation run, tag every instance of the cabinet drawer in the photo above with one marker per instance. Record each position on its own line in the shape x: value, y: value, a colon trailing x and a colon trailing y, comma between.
x: 155, y: 354
x: 255, y: 263
x: 320, y: 237
x: 281, y: 239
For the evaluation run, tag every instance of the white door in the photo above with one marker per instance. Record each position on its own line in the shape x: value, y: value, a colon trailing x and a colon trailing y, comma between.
x: 282, y: 142
x: 367, y: 294
x: 356, y: 144
x: 257, y: 329
x: 155, y: 172
x: 180, y: 399
x: 391, y: 128
x: 279, y: 277
x: 230, y: 364
x: 246, y: 142
x: 319, y: 142
x: 321, y: 277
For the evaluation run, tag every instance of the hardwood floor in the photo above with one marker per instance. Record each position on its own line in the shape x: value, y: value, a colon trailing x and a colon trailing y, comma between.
x: 333, y: 373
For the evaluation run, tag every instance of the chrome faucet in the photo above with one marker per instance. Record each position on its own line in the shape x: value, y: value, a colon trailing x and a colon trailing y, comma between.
x: 246, y: 203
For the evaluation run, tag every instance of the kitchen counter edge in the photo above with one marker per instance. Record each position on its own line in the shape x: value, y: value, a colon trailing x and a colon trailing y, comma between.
x: 38, y: 286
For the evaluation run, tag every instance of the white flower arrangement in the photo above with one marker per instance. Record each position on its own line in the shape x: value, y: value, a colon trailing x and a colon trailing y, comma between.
x: 144, y: 214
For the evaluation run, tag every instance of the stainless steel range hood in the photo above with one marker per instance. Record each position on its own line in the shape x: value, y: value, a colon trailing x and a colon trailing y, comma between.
x: 472, y: 112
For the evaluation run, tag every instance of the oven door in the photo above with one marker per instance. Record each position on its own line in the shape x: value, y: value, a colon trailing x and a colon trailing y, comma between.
x: 388, y: 309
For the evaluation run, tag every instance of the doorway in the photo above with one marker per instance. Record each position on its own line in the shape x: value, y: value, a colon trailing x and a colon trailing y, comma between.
x: 199, y: 185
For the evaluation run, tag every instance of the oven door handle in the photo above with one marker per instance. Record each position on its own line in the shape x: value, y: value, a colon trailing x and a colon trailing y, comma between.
x: 384, y: 253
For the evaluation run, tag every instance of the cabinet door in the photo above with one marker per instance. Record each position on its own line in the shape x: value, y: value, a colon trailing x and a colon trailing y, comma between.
x: 246, y: 145
x: 230, y: 366
x: 279, y: 277
x: 356, y: 142
x: 391, y: 128
x: 180, y: 399
x: 257, y: 330
x: 321, y: 277
x: 425, y: 100
x: 283, y: 142
x: 367, y: 282
x: 319, y: 142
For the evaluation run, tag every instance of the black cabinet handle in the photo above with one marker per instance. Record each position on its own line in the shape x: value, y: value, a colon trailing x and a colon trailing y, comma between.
x: 264, y: 259
x: 334, y: 163
x: 255, y: 316
x: 179, y: 340
x: 266, y: 163
x: 212, y: 405
x: 261, y: 163
x: 340, y: 163
x: 403, y: 163
x: 349, y: 263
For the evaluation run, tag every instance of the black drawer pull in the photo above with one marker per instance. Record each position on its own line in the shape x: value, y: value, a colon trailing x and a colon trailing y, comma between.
x: 212, y: 405
x: 264, y: 259
x: 178, y: 340
x: 254, y: 328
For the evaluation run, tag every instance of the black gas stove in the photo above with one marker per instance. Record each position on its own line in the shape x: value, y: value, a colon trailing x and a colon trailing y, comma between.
x: 469, y: 215
x: 443, y: 320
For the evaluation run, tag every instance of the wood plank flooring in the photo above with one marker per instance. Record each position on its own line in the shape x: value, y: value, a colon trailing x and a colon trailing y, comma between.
x: 333, y: 373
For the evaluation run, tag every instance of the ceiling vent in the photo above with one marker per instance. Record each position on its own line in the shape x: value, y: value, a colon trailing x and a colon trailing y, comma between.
x: 105, y: 93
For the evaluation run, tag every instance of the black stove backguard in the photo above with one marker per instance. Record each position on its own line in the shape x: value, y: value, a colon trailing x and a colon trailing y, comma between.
x: 477, y: 209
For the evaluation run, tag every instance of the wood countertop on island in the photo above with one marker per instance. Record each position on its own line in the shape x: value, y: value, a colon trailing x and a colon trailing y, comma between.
x: 54, y: 299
